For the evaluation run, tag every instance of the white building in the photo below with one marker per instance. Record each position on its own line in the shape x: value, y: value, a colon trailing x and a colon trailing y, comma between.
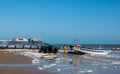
x: 19, y: 40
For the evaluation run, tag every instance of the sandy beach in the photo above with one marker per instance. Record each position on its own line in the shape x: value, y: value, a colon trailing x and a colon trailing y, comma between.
x: 10, y: 58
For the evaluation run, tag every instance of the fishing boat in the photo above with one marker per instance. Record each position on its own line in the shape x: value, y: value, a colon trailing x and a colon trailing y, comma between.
x: 98, y: 51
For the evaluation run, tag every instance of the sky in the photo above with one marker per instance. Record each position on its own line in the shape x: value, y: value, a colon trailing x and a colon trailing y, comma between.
x: 61, y: 21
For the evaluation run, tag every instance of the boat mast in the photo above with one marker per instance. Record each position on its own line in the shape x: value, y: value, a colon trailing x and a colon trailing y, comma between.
x: 77, y: 41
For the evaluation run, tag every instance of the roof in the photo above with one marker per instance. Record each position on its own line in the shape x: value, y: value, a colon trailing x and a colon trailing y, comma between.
x: 20, y: 39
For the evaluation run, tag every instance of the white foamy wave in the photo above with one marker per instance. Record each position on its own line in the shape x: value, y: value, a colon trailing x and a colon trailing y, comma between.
x: 57, y: 61
x: 58, y: 69
x: 104, y: 67
x: 49, y: 66
x: 70, y: 59
x: 40, y: 68
x: 115, y: 63
x: 116, y: 67
x: 52, y: 65
x: 35, y: 61
x: 85, y: 71
x: 113, y: 56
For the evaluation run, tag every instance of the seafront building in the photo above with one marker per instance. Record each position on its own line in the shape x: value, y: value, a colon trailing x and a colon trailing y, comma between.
x: 21, y: 43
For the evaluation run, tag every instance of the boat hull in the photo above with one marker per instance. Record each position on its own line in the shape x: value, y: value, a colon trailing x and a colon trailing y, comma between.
x: 91, y: 51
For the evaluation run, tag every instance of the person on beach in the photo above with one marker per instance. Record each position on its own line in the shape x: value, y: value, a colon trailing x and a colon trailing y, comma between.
x: 55, y: 50
x: 64, y: 48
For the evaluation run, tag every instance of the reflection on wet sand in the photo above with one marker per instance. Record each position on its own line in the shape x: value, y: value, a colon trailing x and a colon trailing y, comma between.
x: 64, y: 58
x: 76, y: 61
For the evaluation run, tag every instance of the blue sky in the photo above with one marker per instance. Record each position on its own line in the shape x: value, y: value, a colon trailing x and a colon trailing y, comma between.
x: 61, y: 21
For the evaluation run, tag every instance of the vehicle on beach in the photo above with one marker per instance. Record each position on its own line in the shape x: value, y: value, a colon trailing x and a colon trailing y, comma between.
x: 49, y: 52
x: 98, y: 51
x: 48, y: 49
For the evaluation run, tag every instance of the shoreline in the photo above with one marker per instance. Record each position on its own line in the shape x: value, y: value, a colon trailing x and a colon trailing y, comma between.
x: 7, y: 58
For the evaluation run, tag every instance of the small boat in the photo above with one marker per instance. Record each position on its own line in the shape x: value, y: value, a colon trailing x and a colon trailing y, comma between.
x: 98, y: 51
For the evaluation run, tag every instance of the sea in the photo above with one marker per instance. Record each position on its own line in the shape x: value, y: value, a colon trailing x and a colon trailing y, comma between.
x: 110, y: 46
x: 74, y: 64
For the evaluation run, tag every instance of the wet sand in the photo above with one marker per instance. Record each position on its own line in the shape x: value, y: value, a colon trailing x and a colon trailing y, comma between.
x: 10, y: 58
x: 21, y: 70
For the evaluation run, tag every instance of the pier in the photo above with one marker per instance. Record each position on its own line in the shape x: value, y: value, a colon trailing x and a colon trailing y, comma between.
x: 20, y: 46
x: 21, y: 43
